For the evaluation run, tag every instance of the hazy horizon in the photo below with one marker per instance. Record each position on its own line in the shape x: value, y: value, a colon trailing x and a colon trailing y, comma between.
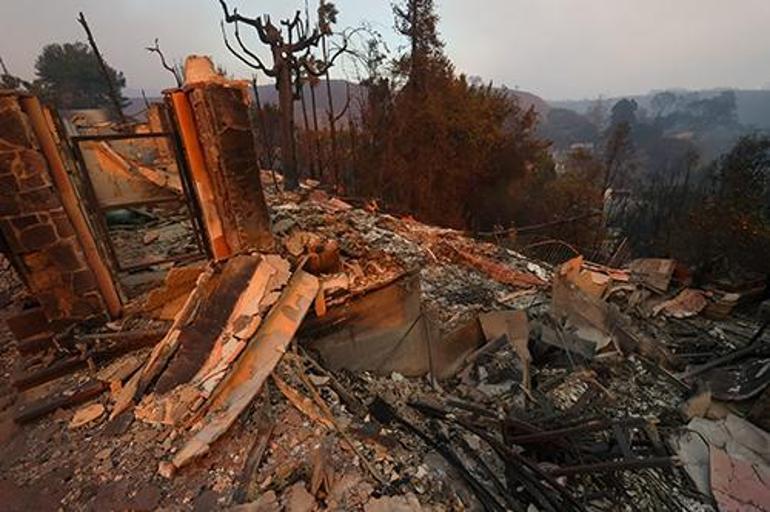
x: 556, y: 49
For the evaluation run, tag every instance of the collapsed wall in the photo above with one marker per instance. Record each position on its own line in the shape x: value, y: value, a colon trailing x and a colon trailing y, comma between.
x: 44, y: 231
x: 49, y: 239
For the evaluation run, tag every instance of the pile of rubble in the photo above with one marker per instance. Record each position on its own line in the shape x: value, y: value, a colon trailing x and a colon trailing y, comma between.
x: 375, y: 363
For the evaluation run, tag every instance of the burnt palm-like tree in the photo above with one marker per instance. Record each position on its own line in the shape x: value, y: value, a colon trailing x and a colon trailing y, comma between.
x: 291, y: 43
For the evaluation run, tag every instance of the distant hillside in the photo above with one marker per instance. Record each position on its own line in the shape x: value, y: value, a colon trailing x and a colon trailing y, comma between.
x: 754, y: 108
x: 527, y: 99
x: 753, y: 105
x: 269, y: 95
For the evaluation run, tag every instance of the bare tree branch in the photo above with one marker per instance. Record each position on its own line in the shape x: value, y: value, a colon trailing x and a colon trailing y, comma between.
x: 330, y: 63
x: 250, y: 53
x: 306, y: 42
x: 254, y: 65
x: 231, y: 18
x: 345, y: 108
x: 253, y: 22
x: 166, y: 66
x: 234, y: 52
x: 291, y: 24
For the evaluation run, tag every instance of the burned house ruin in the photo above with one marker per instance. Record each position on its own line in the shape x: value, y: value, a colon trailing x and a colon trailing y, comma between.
x: 193, y: 337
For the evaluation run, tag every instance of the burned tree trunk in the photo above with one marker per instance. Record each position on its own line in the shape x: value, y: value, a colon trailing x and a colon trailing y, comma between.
x: 266, y: 138
x: 308, y: 146
x: 332, y: 122
x: 353, y: 143
x: 286, y: 107
x: 316, y: 140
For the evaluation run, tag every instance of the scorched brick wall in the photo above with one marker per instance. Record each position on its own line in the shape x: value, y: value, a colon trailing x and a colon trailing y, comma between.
x: 36, y: 227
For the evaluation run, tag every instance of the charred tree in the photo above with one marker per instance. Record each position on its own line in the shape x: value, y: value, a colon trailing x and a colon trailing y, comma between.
x: 332, y: 125
x: 289, y: 58
x: 417, y: 20
x: 307, y: 143
x: 353, y: 139
x: 313, y: 82
x: 266, y: 138
x: 327, y: 16
x: 113, y: 93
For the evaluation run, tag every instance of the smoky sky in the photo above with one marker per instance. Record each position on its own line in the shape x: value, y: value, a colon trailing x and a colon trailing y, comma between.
x: 558, y: 49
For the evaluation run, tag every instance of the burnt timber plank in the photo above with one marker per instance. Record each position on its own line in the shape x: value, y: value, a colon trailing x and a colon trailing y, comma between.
x: 29, y: 412
x: 197, y: 338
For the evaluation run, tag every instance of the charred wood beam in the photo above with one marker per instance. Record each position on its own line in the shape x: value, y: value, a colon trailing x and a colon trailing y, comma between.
x: 755, y: 345
x: 300, y: 372
x: 120, y: 344
x: 383, y: 412
x: 350, y: 400
x: 512, y: 502
x: 597, y: 426
x: 27, y: 413
x: 614, y: 466
x: 528, y: 473
x: 476, y: 409
x: 266, y: 426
